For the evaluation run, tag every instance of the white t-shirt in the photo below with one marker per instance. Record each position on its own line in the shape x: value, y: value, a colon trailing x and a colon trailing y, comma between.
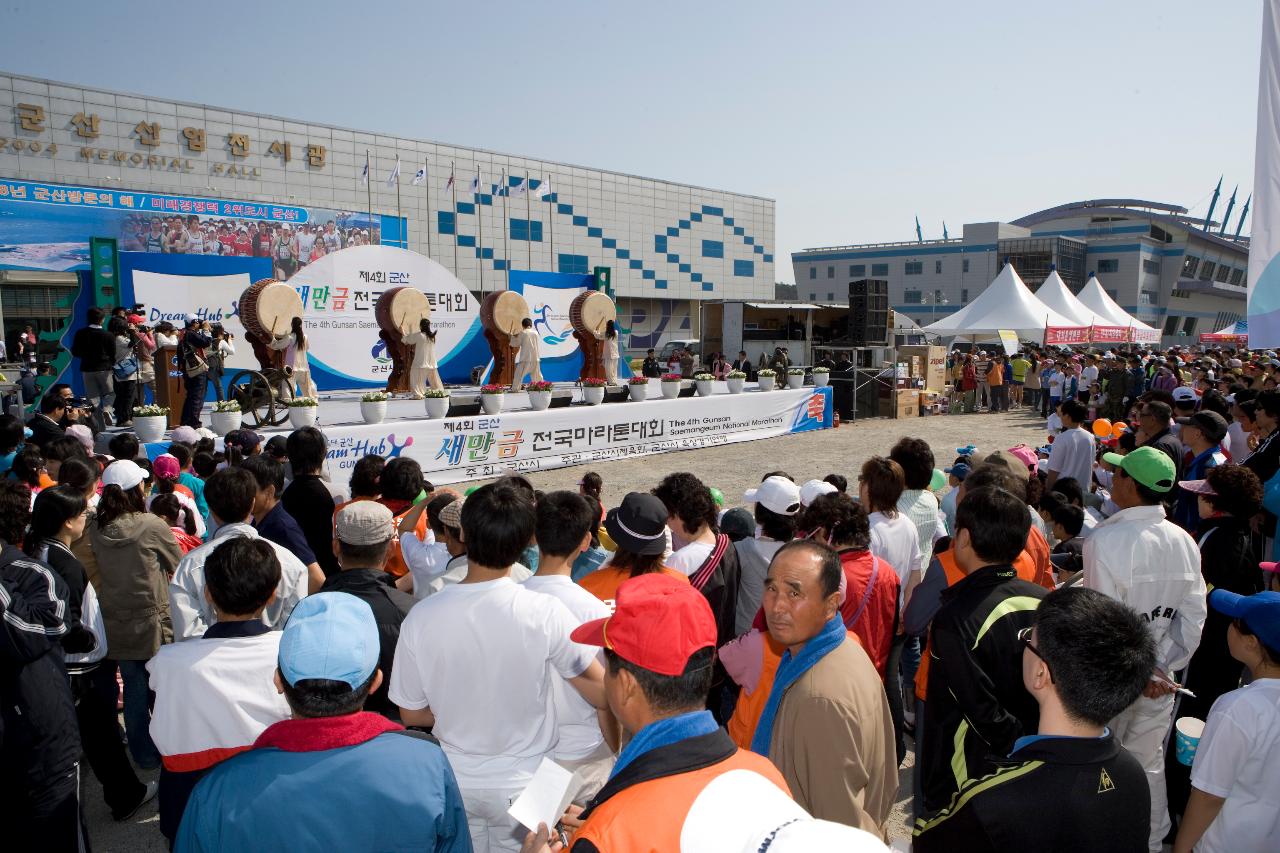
x: 1089, y: 376
x: 1053, y: 424
x: 426, y: 561
x: 896, y: 541
x: 482, y: 657
x: 1071, y: 455
x: 1239, y: 759
x: 1056, y: 378
x: 1237, y: 442
x: 690, y: 557
x: 580, y: 734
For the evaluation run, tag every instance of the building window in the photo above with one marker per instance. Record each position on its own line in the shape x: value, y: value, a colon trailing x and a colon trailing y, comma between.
x: 831, y: 297
x: 813, y: 272
x: 1171, y: 325
x: 1148, y: 297
x: 524, y: 229
x: 446, y: 223
x: 913, y: 297
x: 1109, y: 265
x: 574, y: 264
x: 1189, y: 265
x: 1189, y: 326
x: 964, y: 265
x: 712, y: 249
x: 745, y: 269
x: 937, y: 267
x: 831, y: 272
x: 1236, y: 275
x: 879, y: 269
x: 964, y: 294
x: 1207, y: 271
x: 913, y: 267
x: 857, y: 270
x: 1151, y: 266
x: 1223, y: 272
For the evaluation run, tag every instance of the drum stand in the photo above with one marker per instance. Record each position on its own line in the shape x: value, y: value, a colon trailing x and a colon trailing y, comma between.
x: 504, y: 358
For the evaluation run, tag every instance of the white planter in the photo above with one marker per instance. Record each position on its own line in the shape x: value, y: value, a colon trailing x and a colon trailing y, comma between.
x: 820, y: 379
x: 437, y: 407
x: 150, y: 428
x: 638, y: 392
x: 670, y: 390
x: 704, y: 387
x: 766, y: 382
x: 373, y: 412
x: 225, y: 422
x: 735, y: 385
x: 492, y: 403
x: 303, y: 416
x: 794, y: 381
x: 539, y: 400
x: 593, y: 396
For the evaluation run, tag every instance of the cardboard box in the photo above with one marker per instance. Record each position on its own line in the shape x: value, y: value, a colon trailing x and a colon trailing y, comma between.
x: 907, y: 403
x: 932, y: 361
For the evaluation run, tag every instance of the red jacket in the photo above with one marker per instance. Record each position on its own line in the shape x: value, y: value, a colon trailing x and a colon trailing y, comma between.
x: 874, y: 627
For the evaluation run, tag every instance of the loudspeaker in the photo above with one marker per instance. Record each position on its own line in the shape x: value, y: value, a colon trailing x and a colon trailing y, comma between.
x: 869, y: 312
x: 616, y: 394
x: 463, y: 410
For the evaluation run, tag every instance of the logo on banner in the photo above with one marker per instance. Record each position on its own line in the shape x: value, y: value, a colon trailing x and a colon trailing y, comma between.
x: 817, y: 406
x: 379, y: 352
x: 542, y: 325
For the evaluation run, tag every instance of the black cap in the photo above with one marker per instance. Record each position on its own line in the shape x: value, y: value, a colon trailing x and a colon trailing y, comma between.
x: 1212, y: 424
x: 639, y: 524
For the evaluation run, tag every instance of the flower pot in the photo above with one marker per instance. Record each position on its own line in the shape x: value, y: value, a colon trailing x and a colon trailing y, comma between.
x: 820, y: 379
x: 638, y: 392
x: 593, y: 396
x: 670, y: 390
x: 150, y: 428
x: 704, y: 387
x: 539, y: 400
x: 735, y: 385
x: 766, y: 382
x: 492, y: 403
x: 303, y: 416
x: 437, y: 407
x: 225, y: 422
x: 794, y: 382
x: 373, y: 412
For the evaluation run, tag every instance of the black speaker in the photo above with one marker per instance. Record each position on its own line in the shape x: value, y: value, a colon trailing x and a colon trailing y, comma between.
x: 869, y: 312
x: 463, y: 410
x: 616, y: 393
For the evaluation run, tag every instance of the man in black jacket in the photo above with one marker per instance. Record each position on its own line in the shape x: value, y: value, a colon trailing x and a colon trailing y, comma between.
x: 308, y: 499
x: 362, y: 537
x: 651, y: 367
x: 191, y: 346
x: 978, y: 706
x: 1086, y: 658
x: 96, y: 349
x: 45, y: 425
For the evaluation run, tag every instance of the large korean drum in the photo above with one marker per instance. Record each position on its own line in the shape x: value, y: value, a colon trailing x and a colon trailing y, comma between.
x: 590, y: 312
x: 502, y: 315
x: 267, y: 308
x: 401, y: 310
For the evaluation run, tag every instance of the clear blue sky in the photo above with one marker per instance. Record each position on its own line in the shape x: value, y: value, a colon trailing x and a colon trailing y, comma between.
x: 855, y: 116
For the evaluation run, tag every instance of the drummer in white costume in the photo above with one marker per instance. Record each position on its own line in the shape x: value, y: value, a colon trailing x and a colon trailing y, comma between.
x: 424, y: 365
x: 611, y: 354
x: 295, y: 346
x: 527, y: 360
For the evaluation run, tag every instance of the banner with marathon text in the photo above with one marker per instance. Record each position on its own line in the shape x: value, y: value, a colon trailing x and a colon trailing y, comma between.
x: 458, y: 449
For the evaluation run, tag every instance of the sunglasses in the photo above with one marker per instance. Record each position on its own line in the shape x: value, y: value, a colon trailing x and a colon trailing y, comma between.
x: 1024, y: 637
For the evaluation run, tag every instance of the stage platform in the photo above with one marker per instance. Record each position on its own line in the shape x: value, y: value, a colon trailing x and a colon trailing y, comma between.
x: 521, y: 439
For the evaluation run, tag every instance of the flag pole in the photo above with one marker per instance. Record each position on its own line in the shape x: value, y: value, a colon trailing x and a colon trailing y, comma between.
x: 402, y: 225
x: 506, y: 230
x: 453, y: 188
x: 528, y: 215
x: 479, y: 231
x: 551, y: 218
x: 368, y: 186
x: 426, y: 177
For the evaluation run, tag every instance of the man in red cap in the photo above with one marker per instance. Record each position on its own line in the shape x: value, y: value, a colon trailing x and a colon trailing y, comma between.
x: 659, y: 648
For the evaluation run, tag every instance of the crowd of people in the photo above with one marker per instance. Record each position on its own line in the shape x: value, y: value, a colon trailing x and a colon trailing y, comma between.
x: 716, y: 674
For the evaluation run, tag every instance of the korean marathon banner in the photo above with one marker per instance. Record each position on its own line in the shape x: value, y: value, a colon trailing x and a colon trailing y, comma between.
x: 453, y: 450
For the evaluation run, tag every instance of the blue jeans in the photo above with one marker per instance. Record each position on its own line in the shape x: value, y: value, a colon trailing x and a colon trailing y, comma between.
x: 137, y: 713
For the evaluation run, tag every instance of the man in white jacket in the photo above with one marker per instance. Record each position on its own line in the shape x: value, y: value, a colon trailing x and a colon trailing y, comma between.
x: 1152, y: 565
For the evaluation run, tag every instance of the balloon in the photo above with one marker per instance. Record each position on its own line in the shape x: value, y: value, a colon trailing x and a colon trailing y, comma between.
x: 1118, y: 429
x: 717, y: 496
x: 1102, y: 427
x: 938, y: 481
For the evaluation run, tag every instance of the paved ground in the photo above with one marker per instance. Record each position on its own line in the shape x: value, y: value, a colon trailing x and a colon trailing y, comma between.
x: 733, y: 468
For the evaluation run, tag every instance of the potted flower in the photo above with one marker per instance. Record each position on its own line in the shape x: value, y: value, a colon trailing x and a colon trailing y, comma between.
x: 821, y: 376
x: 491, y: 398
x: 671, y: 385
x: 437, y: 403
x: 149, y: 422
x: 226, y: 416
x: 638, y: 387
x: 795, y: 377
x: 765, y: 378
x: 735, y: 380
x: 705, y: 382
x: 593, y: 391
x: 539, y: 395
x: 373, y: 406
x: 303, y: 411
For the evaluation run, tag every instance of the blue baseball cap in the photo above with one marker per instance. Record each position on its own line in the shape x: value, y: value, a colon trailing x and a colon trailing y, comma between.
x: 330, y: 635
x: 959, y: 471
x: 1261, y: 612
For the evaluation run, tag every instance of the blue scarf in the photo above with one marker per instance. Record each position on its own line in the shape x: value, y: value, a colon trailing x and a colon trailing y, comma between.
x: 664, y: 733
x: 789, y: 672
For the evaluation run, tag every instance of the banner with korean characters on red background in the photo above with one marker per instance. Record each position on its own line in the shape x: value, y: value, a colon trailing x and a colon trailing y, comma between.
x: 1066, y: 335
x: 454, y: 450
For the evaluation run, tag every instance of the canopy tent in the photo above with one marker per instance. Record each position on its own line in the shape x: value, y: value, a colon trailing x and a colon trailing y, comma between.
x: 1055, y: 293
x: 1096, y: 299
x: 1236, y: 333
x: 1005, y: 304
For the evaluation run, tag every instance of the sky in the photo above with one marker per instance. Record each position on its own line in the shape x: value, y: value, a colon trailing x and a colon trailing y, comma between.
x: 855, y: 117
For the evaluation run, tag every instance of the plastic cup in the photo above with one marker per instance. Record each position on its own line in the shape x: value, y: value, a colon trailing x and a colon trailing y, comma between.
x: 1187, y: 732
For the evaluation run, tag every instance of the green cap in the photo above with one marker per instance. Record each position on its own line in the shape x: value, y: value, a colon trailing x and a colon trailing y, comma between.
x: 1151, y: 467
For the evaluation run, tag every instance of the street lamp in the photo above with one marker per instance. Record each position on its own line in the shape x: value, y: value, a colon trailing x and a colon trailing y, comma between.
x: 935, y: 299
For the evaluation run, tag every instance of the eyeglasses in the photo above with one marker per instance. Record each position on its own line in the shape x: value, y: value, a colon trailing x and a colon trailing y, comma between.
x: 1024, y: 637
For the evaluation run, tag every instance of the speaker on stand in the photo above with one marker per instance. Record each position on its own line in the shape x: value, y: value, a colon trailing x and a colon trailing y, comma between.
x: 869, y: 312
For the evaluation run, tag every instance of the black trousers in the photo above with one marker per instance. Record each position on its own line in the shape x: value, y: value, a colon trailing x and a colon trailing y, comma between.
x: 46, y: 815
x: 125, y: 389
x: 95, y: 694
x: 195, y: 386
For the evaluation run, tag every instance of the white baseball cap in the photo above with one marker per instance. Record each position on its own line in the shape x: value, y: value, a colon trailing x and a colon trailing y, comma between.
x: 124, y: 473
x: 1182, y: 394
x: 815, y: 489
x: 776, y: 494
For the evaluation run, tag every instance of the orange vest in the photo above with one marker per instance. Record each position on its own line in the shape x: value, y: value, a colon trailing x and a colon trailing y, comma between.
x: 650, y: 815
x: 1032, y: 565
x: 747, y: 711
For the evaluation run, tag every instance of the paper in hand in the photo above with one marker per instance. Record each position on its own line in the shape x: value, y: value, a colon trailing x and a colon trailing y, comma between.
x: 546, y: 796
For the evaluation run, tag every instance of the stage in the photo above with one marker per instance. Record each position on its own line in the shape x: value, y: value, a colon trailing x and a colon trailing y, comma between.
x: 521, y: 439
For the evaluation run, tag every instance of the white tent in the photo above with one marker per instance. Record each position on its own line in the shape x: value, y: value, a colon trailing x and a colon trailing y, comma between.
x: 1055, y: 293
x: 1005, y: 304
x: 1097, y: 300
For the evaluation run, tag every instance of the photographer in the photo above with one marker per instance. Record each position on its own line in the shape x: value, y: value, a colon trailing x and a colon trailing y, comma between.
x: 146, y: 351
x: 217, y: 355
x: 124, y: 370
x: 192, y: 346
